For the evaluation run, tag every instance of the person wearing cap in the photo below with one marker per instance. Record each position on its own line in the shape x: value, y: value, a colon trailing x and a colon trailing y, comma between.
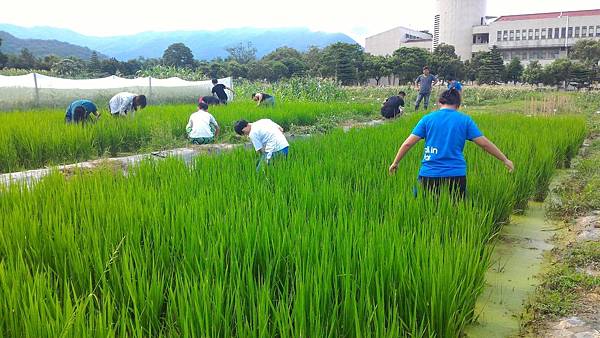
x: 266, y: 136
x: 219, y: 90
x: 263, y: 99
x: 202, y: 128
x: 124, y: 104
x: 80, y: 111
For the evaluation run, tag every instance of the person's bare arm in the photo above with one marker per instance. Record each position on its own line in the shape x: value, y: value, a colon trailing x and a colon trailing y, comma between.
x: 217, y: 131
x: 491, y: 149
x: 231, y: 90
x: 410, y: 141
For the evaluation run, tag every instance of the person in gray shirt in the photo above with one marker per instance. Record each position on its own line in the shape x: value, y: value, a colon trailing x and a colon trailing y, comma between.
x: 424, y: 83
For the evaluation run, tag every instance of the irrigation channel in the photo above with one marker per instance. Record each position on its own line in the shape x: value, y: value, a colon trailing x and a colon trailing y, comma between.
x: 517, y: 257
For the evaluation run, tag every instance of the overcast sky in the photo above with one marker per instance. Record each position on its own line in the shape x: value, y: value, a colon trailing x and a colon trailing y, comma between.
x: 357, y: 19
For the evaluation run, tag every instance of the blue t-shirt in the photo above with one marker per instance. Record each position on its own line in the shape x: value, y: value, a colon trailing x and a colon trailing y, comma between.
x: 456, y: 85
x: 89, y: 106
x: 445, y: 132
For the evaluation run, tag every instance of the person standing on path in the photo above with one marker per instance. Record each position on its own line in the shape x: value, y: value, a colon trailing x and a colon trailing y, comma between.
x: 445, y: 132
x: 80, y: 111
x: 424, y: 82
x: 267, y: 138
x: 202, y: 128
x: 219, y: 90
x: 124, y: 104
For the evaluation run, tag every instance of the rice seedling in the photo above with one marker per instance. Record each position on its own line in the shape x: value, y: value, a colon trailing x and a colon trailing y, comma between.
x: 324, y: 244
x: 40, y: 138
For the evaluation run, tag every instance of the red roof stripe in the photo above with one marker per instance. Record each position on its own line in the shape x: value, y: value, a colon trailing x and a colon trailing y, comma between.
x: 552, y: 15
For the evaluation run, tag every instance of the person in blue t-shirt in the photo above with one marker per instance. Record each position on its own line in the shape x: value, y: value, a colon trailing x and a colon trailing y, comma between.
x: 80, y: 110
x: 453, y: 83
x: 445, y: 132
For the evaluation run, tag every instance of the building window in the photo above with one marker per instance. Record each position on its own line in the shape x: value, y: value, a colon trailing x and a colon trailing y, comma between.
x: 597, y: 31
x: 537, y: 34
x: 518, y: 35
x: 499, y: 36
x: 583, y: 31
x: 554, y: 54
x: 549, y: 33
x: 512, y: 35
x: 576, y: 32
x: 505, y: 36
x: 563, y: 32
x: 570, y: 34
x: 556, y: 33
x: 543, y: 33
x: 531, y: 34
x: 524, y: 34
x: 591, y: 31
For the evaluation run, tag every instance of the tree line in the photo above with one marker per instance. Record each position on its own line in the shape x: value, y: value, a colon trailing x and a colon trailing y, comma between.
x: 347, y: 64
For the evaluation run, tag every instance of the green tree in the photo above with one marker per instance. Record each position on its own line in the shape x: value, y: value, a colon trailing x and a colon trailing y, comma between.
x: 178, y: 55
x: 533, y: 73
x: 26, y: 60
x: 558, y: 73
x: 278, y: 70
x: 407, y: 63
x: 376, y: 67
x: 313, y: 60
x: 94, y: 67
x: 3, y: 58
x: 491, y: 68
x: 343, y: 61
x: 236, y: 70
x: 586, y: 51
x: 69, y: 67
x: 48, y: 62
x: 243, y: 53
x: 473, y: 66
x: 514, y: 71
x: 291, y: 58
x: 259, y: 71
x: 581, y: 75
x: 445, y: 63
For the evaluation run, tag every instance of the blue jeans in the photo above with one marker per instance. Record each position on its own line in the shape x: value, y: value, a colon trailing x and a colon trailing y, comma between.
x: 267, y: 157
x: 420, y: 97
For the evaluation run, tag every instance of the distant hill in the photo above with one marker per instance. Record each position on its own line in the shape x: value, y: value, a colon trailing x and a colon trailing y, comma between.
x: 41, y: 48
x: 205, y: 45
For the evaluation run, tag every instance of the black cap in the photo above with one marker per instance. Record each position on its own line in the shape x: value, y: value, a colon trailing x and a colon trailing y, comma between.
x: 239, y: 126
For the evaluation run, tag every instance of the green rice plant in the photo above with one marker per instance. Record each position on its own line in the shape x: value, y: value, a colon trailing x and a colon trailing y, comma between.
x: 39, y: 138
x: 322, y: 244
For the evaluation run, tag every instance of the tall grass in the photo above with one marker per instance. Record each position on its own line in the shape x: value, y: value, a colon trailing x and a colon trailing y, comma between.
x: 323, y: 244
x: 39, y: 138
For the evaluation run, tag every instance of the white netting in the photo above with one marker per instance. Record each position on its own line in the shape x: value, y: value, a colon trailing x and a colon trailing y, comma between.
x: 30, y: 90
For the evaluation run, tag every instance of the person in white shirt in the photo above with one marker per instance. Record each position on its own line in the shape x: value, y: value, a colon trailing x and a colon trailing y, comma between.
x: 124, y: 104
x: 202, y: 128
x: 266, y: 136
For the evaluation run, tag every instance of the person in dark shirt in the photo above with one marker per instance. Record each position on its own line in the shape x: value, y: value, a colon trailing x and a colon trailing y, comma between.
x: 210, y: 100
x: 263, y: 99
x: 391, y: 106
x: 219, y: 90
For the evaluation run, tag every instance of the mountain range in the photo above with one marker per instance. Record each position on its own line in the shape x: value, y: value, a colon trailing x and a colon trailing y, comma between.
x: 41, y: 47
x: 205, y: 45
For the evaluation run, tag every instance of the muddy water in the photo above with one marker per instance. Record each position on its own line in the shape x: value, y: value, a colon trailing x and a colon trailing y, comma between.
x: 516, y: 260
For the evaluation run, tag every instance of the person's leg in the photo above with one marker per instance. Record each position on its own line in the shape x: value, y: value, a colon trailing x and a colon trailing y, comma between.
x: 418, y: 102
x: 426, y: 102
x: 458, y: 186
x: 430, y: 185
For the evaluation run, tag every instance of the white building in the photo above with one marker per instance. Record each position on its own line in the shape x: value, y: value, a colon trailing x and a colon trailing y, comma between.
x: 387, y: 42
x: 543, y: 37
x: 463, y: 23
x: 454, y: 21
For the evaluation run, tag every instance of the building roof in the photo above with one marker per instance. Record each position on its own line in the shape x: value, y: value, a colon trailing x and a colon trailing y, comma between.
x: 418, y: 40
x: 551, y: 15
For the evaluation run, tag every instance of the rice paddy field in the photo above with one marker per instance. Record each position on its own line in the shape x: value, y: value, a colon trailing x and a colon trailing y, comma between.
x: 322, y: 244
x: 38, y: 138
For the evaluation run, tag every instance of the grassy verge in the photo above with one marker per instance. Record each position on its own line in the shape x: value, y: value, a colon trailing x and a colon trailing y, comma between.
x: 570, y: 278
